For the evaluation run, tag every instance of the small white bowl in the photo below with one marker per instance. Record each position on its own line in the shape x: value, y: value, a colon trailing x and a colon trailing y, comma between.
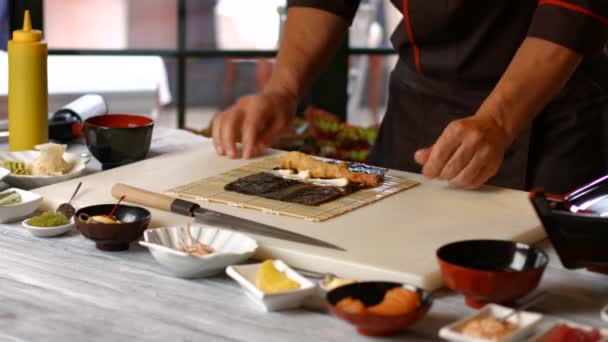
x: 31, y: 182
x: 604, y: 313
x: 48, y: 231
x: 525, y: 320
x: 538, y: 337
x: 230, y: 247
x: 14, y: 212
x: 246, y: 275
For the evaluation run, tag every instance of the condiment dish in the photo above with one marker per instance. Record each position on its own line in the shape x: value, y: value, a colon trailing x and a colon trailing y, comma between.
x: 371, y: 293
x: 491, y: 271
x: 30, y: 182
x: 29, y: 203
x: 113, y: 236
x: 229, y: 247
x: 604, y: 313
x: 245, y: 275
x: 48, y: 231
x: 524, y: 320
x: 542, y: 336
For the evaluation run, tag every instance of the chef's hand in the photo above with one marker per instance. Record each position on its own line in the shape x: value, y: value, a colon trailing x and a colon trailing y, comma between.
x: 256, y: 120
x: 468, y: 152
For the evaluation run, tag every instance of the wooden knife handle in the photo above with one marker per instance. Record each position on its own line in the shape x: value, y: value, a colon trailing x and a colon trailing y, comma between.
x: 142, y: 197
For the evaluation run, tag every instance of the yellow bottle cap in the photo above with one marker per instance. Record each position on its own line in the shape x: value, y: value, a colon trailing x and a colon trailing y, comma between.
x: 27, y: 35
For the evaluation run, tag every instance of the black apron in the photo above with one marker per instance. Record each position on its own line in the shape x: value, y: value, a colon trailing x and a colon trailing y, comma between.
x: 562, y: 149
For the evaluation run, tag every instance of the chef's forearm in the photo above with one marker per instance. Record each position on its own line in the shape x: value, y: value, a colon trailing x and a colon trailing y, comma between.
x: 310, y: 38
x: 535, y: 76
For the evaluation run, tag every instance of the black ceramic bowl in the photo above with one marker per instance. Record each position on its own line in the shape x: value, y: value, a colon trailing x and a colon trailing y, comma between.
x: 372, y: 293
x: 491, y: 271
x: 118, y: 139
x: 114, y: 237
x: 577, y: 224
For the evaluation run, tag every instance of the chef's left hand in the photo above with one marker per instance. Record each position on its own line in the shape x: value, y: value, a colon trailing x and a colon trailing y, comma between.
x: 468, y: 152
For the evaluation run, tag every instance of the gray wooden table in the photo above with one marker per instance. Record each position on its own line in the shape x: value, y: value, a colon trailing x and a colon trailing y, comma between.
x: 63, y: 289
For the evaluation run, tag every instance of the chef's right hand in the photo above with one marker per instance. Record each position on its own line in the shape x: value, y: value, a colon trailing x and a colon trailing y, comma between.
x: 256, y: 120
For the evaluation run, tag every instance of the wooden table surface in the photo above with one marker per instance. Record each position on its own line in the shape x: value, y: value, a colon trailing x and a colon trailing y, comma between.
x: 63, y: 289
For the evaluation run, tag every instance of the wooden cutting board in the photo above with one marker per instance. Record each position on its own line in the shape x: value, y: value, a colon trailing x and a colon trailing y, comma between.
x: 392, y: 239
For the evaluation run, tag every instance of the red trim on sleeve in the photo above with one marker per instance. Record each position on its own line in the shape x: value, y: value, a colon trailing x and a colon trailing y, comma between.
x: 410, y: 36
x: 575, y: 8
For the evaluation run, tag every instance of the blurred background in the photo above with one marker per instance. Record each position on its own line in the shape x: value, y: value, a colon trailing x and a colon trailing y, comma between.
x: 183, y: 60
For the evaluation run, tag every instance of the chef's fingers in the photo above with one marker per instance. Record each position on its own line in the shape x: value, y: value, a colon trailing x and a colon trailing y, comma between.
x: 248, y: 141
x: 459, y: 160
x: 253, y: 123
x: 466, y: 178
x: 215, y: 133
x: 444, y: 148
x: 260, y: 148
x: 276, y: 125
x: 422, y: 155
x: 489, y: 171
x: 483, y: 166
x: 229, y: 131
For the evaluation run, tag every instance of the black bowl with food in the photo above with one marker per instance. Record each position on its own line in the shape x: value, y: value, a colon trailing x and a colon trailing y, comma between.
x: 112, y: 233
x: 577, y: 224
x: 118, y: 139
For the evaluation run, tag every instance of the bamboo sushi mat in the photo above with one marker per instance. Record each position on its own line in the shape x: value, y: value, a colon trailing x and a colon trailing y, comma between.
x: 211, y: 189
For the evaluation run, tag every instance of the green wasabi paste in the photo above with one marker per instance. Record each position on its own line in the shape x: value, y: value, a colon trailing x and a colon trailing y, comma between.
x: 48, y: 219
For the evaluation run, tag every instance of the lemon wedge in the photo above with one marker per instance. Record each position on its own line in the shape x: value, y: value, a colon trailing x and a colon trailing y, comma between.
x: 103, y: 219
x: 271, y: 280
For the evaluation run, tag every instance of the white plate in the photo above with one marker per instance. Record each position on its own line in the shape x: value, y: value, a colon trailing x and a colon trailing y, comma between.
x: 48, y: 231
x: 246, y: 275
x: 525, y: 320
x: 230, y: 248
x: 603, y: 332
x: 14, y: 212
x: 31, y: 182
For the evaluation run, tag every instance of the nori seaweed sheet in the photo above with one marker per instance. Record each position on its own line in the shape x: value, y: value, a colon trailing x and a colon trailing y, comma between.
x: 267, y: 185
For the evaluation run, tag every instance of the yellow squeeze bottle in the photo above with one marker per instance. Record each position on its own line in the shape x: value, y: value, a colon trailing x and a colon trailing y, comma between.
x: 27, y: 88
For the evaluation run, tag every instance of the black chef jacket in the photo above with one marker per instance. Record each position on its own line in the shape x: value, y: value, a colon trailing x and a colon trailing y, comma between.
x: 453, y: 52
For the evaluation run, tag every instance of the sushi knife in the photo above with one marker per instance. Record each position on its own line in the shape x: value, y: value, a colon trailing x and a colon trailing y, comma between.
x: 214, y: 218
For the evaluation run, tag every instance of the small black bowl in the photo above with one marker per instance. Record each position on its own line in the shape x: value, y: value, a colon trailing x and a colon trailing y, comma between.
x: 114, y: 237
x: 579, y: 236
x: 118, y: 139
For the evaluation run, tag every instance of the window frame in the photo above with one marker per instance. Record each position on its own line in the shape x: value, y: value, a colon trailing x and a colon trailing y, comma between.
x: 329, y: 92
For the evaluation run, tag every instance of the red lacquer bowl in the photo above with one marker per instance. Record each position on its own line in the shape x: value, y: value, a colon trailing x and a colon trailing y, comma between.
x: 371, y: 293
x: 491, y: 271
x: 118, y: 139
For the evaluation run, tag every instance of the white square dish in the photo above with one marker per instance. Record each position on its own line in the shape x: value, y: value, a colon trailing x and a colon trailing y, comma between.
x: 539, y: 337
x: 245, y: 275
x: 525, y: 320
x: 29, y: 203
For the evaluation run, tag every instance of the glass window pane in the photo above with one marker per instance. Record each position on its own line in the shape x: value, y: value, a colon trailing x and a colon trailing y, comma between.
x: 110, y: 24
x: 234, y: 24
x: 368, y: 88
x: 373, y: 25
x: 214, y: 84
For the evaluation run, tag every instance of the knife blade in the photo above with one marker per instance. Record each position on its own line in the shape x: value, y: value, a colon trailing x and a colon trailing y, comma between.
x: 214, y: 218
